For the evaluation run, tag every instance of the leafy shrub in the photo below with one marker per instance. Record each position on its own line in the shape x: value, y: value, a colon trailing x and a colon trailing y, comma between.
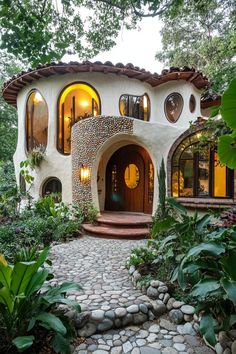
x: 26, y: 254
x: 26, y: 306
x: 208, y: 270
x: 67, y: 229
x: 140, y: 256
x: 47, y: 207
x: 90, y: 212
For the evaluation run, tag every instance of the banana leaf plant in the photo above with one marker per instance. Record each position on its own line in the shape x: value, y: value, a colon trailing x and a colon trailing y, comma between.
x: 26, y: 303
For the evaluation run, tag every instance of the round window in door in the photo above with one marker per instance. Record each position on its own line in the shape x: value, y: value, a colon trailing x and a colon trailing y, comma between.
x: 132, y: 176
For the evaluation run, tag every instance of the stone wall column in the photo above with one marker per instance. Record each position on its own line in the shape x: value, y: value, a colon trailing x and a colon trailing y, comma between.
x: 88, y: 135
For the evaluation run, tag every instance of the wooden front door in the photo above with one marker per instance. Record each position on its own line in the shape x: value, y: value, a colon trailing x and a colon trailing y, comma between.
x: 128, y: 182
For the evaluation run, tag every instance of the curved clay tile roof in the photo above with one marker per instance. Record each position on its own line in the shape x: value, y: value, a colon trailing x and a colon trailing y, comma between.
x: 12, y: 87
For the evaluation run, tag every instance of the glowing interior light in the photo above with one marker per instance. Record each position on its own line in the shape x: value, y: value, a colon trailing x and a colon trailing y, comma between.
x: 84, y: 103
x: 199, y: 135
x: 95, y: 113
x: 38, y: 97
x: 145, y: 104
x: 84, y: 173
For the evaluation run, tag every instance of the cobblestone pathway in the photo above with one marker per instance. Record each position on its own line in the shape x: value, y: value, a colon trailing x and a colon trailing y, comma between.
x: 99, y: 266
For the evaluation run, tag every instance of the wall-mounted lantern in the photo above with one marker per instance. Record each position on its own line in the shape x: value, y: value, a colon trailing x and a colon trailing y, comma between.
x: 84, y: 173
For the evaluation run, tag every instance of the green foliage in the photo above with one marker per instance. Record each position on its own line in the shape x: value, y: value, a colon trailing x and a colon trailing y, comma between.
x: 26, y: 304
x: 47, y: 207
x: 59, y: 29
x: 175, y: 236
x: 47, y: 221
x: 26, y: 254
x: 8, y: 115
x: 140, y: 256
x: 25, y: 172
x: 90, y: 212
x: 208, y: 269
x: 201, y: 35
x: 35, y: 157
x: 227, y: 143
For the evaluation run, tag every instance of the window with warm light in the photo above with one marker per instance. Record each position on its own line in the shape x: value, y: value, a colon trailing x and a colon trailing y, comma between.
x: 36, y: 121
x: 135, y: 106
x: 198, y: 173
x: 77, y: 101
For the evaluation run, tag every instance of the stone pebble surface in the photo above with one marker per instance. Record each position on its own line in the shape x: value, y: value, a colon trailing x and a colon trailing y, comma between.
x: 110, y: 300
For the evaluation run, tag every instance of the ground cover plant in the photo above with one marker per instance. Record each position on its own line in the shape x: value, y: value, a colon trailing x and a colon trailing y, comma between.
x: 29, y: 312
x: 38, y: 224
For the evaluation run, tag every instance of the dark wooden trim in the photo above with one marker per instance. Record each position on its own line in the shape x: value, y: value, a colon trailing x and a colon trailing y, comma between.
x: 47, y: 181
x: 137, y: 96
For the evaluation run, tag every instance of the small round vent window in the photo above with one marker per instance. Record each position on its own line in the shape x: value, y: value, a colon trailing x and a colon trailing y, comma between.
x: 192, y: 104
x: 173, y: 107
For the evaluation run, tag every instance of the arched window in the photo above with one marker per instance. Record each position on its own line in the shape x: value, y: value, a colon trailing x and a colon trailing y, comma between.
x: 197, y: 172
x: 173, y: 106
x: 135, y: 106
x: 52, y: 186
x: 77, y: 101
x: 36, y: 121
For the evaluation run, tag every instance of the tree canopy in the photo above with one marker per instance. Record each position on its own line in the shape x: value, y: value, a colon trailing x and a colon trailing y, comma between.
x: 202, y: 35
x: 8, y: 116
x: 196, y: 32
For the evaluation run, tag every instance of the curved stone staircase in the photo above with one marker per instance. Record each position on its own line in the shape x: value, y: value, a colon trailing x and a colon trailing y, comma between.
x: 120, y: 225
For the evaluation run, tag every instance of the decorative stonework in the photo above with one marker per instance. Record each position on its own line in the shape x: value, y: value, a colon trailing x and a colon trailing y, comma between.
x: 88, y: 136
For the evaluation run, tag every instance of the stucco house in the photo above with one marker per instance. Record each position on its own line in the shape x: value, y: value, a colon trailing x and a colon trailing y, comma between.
x: 105, y: 128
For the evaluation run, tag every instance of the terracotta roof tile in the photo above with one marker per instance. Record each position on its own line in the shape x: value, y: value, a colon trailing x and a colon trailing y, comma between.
x: 12, y: 87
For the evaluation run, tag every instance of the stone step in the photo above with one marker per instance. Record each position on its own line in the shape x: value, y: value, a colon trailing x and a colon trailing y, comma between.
x: 116, y: 232
x: 119, y: 219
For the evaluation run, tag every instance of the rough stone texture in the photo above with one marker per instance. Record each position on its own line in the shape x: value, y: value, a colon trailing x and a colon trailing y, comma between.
x: 233, y: 347
x: 88, y: 135
x: 98, y: 265
x: 152, y: 292
x: 187, y: 309
x: 176, y: 316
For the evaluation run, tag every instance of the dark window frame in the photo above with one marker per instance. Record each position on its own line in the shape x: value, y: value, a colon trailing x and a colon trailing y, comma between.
x: 182, y: 107
x: 211, y: 178
x: 61, y: 151
x: 137, y: 96
x: 30, y: 147
x: 45, y: 183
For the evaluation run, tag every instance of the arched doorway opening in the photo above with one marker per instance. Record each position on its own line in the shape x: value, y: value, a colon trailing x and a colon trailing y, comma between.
x: 130, y: 180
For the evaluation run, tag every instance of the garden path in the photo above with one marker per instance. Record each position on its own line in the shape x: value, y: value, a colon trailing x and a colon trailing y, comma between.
x: 99, y: 266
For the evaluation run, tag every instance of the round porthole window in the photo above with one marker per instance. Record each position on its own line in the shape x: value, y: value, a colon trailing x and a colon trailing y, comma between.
x: 192, y: 104
x: 173, y: 107
x: 132, y: 176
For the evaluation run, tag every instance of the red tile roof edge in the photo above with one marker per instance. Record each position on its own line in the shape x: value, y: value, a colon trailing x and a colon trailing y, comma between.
x: 12, y: 87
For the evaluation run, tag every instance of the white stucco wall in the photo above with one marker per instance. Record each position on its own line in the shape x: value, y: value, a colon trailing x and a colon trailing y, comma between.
x: 156, y: 136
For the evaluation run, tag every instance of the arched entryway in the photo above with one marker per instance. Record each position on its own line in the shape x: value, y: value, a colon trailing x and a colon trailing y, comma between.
x: 130, y: 180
